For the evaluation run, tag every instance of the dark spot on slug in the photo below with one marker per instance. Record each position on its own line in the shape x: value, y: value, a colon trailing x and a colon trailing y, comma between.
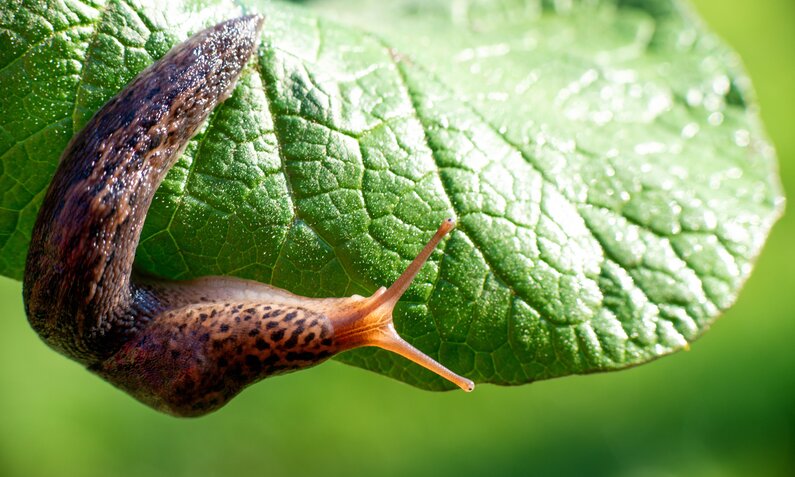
x: 253, y: 363
x: 300, y: 356
x: 291, y: 342
x: 235, y: 372
x: 277, y: 335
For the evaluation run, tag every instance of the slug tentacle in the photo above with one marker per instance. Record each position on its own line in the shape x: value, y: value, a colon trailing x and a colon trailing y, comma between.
x: 372, y: 325
x: 182, y: 347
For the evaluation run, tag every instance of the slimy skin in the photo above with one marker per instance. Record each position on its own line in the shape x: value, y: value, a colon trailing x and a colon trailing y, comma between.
x: 185, y: 348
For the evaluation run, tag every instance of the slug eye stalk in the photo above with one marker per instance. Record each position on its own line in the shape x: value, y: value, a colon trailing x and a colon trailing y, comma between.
x: 184, y: 347
x: 372, y: 324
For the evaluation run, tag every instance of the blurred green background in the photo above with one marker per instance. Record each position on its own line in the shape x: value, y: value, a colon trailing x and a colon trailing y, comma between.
x: 725, y: 408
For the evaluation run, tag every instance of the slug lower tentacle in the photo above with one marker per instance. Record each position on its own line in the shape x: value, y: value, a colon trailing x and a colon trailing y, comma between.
x: 182, y: 347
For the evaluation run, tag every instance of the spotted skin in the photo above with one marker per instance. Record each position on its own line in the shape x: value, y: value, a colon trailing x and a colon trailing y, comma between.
x: 195, y: 359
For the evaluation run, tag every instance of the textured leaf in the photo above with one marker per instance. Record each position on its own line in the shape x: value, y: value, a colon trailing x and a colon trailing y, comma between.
x: 608, y: 171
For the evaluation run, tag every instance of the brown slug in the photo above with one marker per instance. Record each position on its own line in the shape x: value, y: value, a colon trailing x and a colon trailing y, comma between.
x: 186, y: 347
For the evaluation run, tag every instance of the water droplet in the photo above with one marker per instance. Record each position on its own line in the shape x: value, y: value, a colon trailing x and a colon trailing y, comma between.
x: 734, y: 231
x: 651, y: 147
x: 659, y: 103
x: 601, y: 117
x: 710, y: 220
x: 720, y: 85
x: 690, y: 130
x: 742, y: 137
x: 694, y: 97
x: 622, y: 76
x: 715, y: 118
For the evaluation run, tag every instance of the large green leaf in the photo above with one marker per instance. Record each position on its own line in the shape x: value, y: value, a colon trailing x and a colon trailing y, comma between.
x: 608, y: 171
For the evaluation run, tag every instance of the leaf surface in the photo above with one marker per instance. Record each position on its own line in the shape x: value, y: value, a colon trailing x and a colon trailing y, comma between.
x: 605, y: 162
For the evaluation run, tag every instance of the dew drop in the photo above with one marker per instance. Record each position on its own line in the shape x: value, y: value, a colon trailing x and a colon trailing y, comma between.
x: 742, y: 137
x: 715, y: 119
x: 690, y: 130
x: 694, y: 97
x: 720, y: 85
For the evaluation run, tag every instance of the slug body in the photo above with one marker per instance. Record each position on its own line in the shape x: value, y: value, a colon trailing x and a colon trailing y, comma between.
x: 188, y: 347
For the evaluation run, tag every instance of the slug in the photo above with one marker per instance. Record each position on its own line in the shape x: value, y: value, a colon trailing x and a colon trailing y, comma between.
x: 182, y: 347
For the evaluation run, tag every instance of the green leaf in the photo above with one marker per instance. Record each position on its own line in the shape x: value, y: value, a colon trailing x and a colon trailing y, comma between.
x: 604, y: 159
